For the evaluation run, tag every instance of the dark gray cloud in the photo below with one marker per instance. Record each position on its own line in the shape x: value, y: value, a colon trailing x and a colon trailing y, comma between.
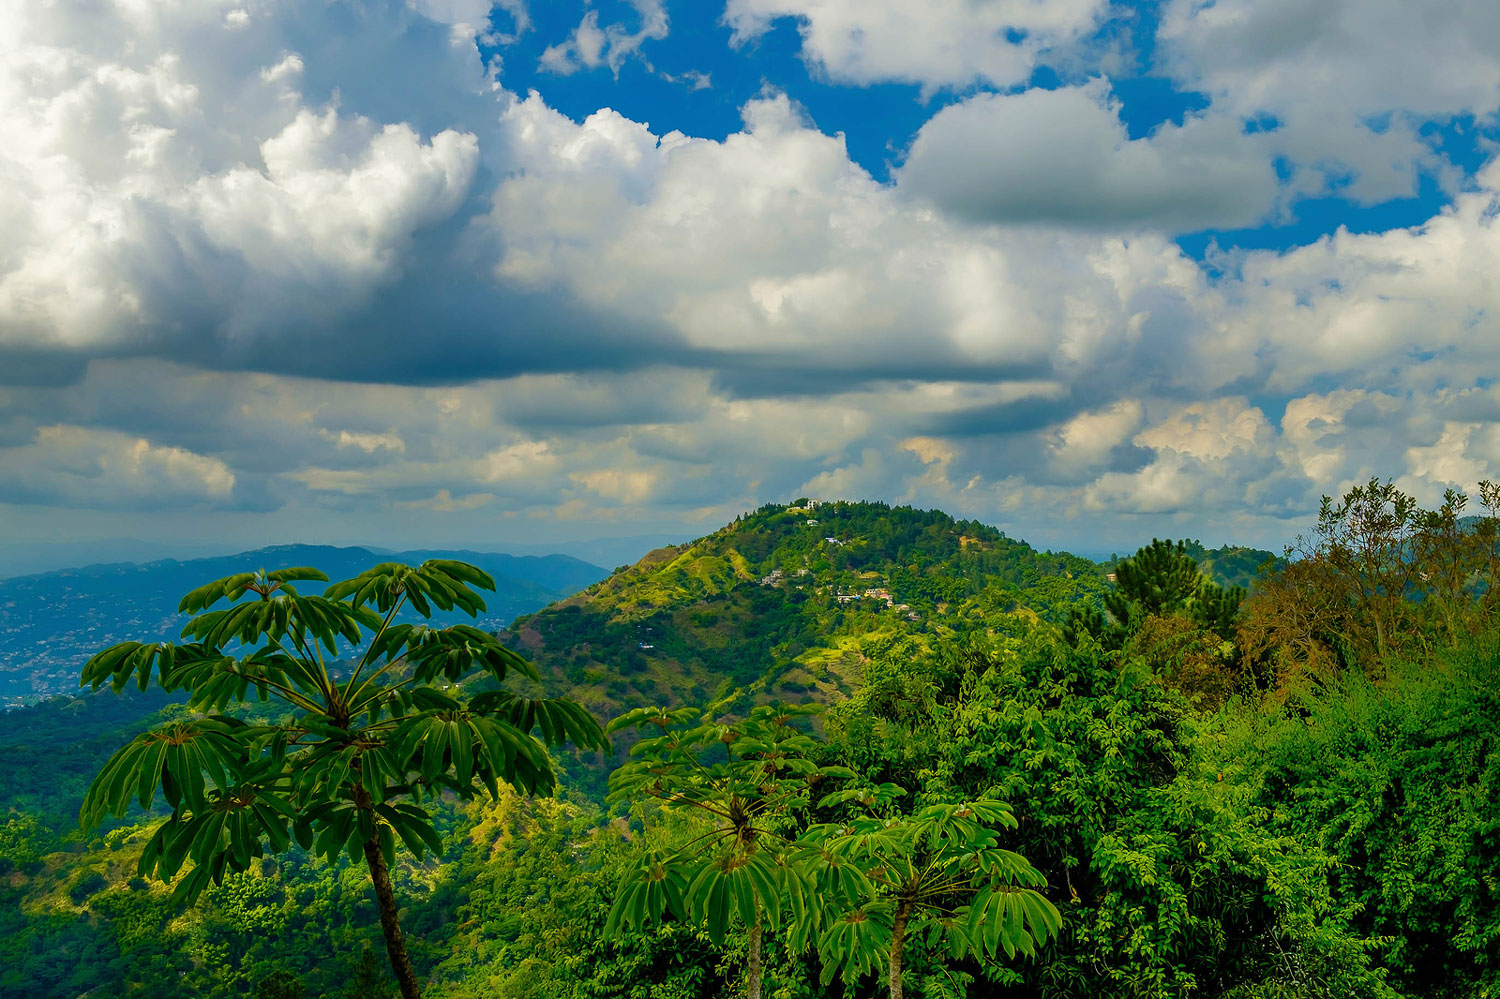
x: 1018, y: 416
x: 1064, y: 157
x: 743, y: 376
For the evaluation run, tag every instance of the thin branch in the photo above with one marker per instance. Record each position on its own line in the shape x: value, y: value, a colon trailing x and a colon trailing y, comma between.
x: 287, y: 693
x: 303, y: 659
x: 675, y: 798
x: 325, y: 687
x: 357, y: 706
x: 364, y: 660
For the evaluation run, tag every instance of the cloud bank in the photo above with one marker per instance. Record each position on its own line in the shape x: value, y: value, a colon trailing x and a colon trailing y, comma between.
x: 316, y: 265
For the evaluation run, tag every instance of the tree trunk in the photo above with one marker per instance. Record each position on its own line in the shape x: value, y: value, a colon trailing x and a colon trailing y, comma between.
x: 395, y: 943
x: 898, y: 946
x: 753, y: 969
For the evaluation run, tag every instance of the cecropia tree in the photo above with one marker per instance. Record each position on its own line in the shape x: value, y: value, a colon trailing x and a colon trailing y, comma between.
x: 373, y: 717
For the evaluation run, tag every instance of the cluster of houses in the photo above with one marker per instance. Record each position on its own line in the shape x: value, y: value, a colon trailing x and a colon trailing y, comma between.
x: 777, y: 576
x: 830, y: 539
x: 878, y: 593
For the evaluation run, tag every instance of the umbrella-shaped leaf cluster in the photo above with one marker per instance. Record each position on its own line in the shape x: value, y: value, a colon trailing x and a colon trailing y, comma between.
x: 370, y: 718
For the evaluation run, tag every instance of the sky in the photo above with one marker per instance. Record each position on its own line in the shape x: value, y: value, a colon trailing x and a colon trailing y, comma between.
x: 461, y: 273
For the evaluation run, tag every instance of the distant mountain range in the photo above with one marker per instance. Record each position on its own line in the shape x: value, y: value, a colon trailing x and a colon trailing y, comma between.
x: 52, y: 622
x: 797, y: 595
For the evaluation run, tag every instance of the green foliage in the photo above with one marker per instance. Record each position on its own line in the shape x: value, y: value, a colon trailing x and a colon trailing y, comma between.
x: 1396, y: 782
x: 23, y: 843
x: 348, y: 769
x: 770, y: 598
x: 1165, y: 613
x: 1166, y: 881
x: 1160, y: 579
x: 1378, y: 576
x: 1328, y: 833
x: 740, y: 784
x: 280, y: 985
x: 367, y: 981
x: 938, y: 876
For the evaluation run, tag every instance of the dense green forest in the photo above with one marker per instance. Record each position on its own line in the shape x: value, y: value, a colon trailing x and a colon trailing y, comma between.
x: 1285, y: 790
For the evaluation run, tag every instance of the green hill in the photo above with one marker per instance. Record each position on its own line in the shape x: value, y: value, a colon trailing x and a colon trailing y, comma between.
x: 1231, y: 565
x: 794, y: 595
x: 1297, y: 843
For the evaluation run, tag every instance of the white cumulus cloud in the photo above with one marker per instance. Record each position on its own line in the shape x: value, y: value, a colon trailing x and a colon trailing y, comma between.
x: 591, y: 46
x: 239, y: 271
x: 940, y: 43
x: 1345, y: 83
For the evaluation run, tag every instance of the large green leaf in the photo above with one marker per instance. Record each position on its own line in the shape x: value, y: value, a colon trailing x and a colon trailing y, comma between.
x: 118, y: 663
x: 225, y: 835
x: 460, y: 649
x: 557, y: 720
x: 439, y: 583
x: 735, y: 883
x: 174, y: 758
x: 1011, y: 919
x: 649, y: 889
x: 284, y: 617
x: 857, y: 943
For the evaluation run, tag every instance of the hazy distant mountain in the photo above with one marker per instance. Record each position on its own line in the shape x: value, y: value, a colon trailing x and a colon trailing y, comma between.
x: 26, y: 558
x: 52, y: 622
x: 603, y: 551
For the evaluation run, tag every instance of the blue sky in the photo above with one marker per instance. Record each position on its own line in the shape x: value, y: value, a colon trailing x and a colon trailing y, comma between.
x: 419, y: 272
x: 660, y: 84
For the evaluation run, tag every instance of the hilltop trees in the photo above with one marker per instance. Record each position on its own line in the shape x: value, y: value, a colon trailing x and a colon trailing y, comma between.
x: 1160, y: 580
x: 348, y: 763
x: 1378, y: 575
x: 1165, y: 612
x: 689, y: 617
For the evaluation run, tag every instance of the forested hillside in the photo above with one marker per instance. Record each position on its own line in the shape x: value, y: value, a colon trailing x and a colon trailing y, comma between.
x: 799, y: 596
x: 1283, y: 794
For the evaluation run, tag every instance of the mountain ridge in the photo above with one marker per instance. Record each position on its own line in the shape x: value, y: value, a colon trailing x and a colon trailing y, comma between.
x: 51, y: 622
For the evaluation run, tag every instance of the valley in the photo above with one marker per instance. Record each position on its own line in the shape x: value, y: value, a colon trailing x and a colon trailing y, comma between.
x: 50, y: 623
x: 1172, y: 755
